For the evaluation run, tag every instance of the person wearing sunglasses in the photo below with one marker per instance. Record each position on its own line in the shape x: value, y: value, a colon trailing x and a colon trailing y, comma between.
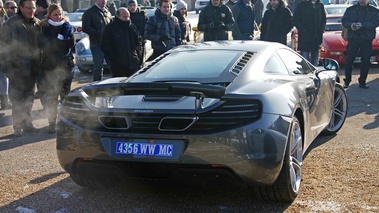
x: 11, y: 7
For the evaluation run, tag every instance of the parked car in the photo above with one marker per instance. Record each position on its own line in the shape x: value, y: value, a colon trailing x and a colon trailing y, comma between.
x: 200, y: 4
x: 333, y: 18
x: 334, y: 46
x: 238, y: 111
x: 336, y: 9
x: 75, y: 19
x: 83, y: 56
x: 149, y: 10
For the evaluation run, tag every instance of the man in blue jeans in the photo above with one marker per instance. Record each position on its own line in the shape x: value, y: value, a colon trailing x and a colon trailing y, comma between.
x: 361, y: 21
x: 309, y: 18
x: 94, y: 21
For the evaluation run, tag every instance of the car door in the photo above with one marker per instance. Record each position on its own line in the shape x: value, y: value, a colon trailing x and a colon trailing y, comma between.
x: 317, y: 111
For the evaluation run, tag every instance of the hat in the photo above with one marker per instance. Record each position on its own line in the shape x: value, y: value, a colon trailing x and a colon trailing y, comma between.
x: 42, y: 3
x: 132, y: 1
x: 181, y: 4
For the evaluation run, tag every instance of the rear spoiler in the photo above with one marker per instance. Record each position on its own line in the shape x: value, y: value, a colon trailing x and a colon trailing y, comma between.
x: 156, y: 88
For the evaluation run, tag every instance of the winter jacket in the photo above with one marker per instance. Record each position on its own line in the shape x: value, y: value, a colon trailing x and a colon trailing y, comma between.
x: 369, y: 18
x: 122, y: 44
x: 276, y: 24
x: 210, y: 16
x: 310, y: 22
x: 93, y: 23
x: 160, y: 25
x: 139, y: 18
x: 182, y: 24
x: 22, y: 40
x: 244, y: 17
x: 57, y: 52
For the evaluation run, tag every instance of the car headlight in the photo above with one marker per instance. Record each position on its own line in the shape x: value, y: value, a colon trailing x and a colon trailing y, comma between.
x: 79, y: 48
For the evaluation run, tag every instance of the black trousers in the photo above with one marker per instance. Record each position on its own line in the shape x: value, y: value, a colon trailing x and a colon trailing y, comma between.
x: 21, y: 93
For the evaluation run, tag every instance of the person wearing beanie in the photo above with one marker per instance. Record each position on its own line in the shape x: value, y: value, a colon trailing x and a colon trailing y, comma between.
x: 139, y: 18
x: 181, y: 13
x: 215, y: 20
x: 276, y: 22
x: 41, y: 11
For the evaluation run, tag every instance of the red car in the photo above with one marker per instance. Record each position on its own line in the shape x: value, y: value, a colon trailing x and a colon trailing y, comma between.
x: 334, y: 46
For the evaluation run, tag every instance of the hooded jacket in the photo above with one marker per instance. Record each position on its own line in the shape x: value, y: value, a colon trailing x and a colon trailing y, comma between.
x: 215, y: 14
x: 369, y: 18
x: 276, y: 24
x: 310, y: 21
x: 159, y: 25
x: 139, y: 18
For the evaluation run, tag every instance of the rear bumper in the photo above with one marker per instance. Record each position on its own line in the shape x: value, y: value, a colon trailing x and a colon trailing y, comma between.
x: 249, y: 155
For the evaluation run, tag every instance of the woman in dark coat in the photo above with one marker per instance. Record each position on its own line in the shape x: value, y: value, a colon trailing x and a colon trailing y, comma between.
x: 309, y: 18
x: 57, y: 62
x: 277, y: 22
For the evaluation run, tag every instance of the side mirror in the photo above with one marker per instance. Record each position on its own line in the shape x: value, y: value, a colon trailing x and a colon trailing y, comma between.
x: 330, y: 64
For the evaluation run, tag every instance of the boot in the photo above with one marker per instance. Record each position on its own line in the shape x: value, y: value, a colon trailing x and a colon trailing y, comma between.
x: 5, y: 104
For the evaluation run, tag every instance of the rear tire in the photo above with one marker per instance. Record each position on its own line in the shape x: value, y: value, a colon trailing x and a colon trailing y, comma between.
x: 287, y: 185
x: 339, y: 112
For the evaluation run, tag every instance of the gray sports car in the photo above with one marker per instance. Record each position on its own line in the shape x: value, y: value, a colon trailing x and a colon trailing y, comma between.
x: 236, y: 111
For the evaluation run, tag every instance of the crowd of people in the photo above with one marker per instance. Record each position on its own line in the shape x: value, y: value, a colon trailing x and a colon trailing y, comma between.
x: 39, y: 42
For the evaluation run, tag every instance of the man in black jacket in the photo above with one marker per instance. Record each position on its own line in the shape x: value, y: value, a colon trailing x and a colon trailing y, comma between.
x: 276, y: 22
x: 361, y: 21
x: 215, y: 20
x: 94, y: 21
x: 310, y: 19
x: 122, y: 44
x: 21, y: 36
x: 139, y: 18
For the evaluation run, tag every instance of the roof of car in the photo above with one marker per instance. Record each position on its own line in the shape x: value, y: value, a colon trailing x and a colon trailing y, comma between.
x: 251, y: 46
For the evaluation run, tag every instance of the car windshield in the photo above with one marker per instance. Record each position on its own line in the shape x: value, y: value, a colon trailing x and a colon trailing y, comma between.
x: 333, y: 27
x: 335, y: 10
x: 74, y: 16
x: 204, y: 66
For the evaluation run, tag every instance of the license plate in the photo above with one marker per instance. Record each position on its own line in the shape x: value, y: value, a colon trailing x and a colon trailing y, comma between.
x: 130, y: 148
x: 146, y: 149
x: 358, y: 59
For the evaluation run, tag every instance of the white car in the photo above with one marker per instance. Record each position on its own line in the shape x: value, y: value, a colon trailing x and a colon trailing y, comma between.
x: 75, y: 20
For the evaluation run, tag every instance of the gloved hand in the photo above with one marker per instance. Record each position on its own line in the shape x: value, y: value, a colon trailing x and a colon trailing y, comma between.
x: 211, y: 25
x: 164, y: 38
x: 220, y: 25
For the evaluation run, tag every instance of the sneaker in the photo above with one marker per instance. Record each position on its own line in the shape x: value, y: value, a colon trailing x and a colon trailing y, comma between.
x: 31, y: 129
x: 51, y: 128
x: 364, y: 86
x: 345, y: 86
x: 17, y: 132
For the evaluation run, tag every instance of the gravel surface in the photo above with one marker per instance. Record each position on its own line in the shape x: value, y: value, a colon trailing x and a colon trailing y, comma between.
x: 340, y: 173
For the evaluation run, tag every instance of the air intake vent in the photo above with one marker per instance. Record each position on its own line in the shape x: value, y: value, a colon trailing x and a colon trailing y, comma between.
x: 242, y: 63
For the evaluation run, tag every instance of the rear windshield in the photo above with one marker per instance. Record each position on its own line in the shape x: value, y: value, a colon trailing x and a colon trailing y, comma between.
x: 205, y: 66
